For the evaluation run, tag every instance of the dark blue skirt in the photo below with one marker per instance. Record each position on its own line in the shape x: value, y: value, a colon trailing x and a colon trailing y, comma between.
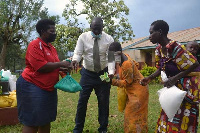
x: 36, y: 107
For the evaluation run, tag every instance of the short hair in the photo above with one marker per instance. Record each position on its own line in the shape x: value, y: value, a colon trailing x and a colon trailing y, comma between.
x: 97, y: 19
x: 161, y: 24
x: 43, y: 24
x: 115, y: 46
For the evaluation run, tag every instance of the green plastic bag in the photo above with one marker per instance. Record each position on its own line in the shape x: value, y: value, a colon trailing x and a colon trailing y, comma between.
x: 68, y: 84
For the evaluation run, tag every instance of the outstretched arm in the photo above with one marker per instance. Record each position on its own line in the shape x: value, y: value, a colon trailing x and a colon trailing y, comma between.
x: 50, y: 66
x: 146, y: 80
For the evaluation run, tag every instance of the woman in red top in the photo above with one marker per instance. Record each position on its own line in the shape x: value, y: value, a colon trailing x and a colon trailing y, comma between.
x: 36, y: 96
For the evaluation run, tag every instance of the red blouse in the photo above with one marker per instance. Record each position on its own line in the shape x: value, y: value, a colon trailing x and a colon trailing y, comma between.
x: 37, y: 55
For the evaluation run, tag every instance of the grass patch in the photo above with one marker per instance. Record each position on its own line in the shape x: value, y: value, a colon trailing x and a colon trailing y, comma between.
x: 67, y: 103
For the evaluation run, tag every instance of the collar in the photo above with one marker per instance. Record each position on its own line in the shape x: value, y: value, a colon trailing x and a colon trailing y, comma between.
x: 45, y: 44
x: 97, y: 36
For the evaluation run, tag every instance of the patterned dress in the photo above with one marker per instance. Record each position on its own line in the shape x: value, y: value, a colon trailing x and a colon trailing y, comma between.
x: 136, y: 110
x: 186, y: 118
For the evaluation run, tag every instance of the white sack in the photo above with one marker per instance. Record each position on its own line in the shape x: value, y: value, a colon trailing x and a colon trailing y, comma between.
x: 170, y: 98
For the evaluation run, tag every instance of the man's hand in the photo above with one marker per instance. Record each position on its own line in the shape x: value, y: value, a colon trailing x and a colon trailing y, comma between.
x: 74, y: 65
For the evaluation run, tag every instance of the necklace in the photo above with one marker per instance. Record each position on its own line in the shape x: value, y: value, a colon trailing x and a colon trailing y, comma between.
x: 166, y: 55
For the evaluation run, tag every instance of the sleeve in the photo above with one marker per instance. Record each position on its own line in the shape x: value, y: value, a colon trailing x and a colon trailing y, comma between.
x: 78, y: 52
x: 35, y: 55
x: 183, y: 58
x: 126, y: 78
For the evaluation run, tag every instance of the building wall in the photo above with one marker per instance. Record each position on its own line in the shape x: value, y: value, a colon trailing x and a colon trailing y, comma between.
x: 134, y: 54
x: 141, y: 56
x: 129, y: 52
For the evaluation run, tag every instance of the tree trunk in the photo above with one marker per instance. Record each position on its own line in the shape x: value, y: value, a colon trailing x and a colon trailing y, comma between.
x: 3, y: 55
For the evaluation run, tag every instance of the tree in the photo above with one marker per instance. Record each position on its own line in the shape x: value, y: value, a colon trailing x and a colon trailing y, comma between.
x: 17, y: 21
x: 15, y: 60
x: 66, y: 39
x: 113, y: 13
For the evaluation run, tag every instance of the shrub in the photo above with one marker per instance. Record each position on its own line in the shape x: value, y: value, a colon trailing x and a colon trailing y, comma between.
x: 148, y: 70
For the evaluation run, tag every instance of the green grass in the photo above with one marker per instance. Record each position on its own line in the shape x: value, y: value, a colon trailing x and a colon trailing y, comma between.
x: 67, y: 103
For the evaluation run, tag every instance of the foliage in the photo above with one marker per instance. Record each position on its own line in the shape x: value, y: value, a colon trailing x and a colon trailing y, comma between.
x: 113, y: 13
x: 148, y: 70
x: 67, y: 103
x: 15, y: 60
x: 18, y: 18
x: 66, y: 39
x: 44, y: 14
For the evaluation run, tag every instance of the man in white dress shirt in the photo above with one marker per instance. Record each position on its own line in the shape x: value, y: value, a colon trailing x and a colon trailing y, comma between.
x: 93, y: 46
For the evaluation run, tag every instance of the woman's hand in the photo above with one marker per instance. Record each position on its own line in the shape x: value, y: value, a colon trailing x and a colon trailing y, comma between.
x: 170, y: 82
x: 66, y: 64
x: 145, y: 81
x: 66, y: 67
x: 51, y: 66
x: 65, y: 70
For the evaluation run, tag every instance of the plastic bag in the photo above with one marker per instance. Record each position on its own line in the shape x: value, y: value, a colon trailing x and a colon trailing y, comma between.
x: 68, y: 84
x: 5, y: 101
x: 111, y: 63
x: 8, y: 101
x: 170, y: 100
x: 111, y: 68
x: 164, y: 76
x: 121, y: 98
x: 6, y: 75
x: 12, y: 82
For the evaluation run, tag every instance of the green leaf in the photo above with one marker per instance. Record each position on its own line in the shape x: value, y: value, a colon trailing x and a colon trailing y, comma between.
x: 114, y: 14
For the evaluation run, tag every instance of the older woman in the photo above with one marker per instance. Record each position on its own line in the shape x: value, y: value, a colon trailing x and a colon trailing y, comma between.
x: 36, y: 95
x: 172, y: 58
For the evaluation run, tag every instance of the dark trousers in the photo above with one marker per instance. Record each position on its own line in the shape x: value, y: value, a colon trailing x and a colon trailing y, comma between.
x: 89, y: 81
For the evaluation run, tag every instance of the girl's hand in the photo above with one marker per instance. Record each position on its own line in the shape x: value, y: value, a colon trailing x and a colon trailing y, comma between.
x: 111, y: 76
